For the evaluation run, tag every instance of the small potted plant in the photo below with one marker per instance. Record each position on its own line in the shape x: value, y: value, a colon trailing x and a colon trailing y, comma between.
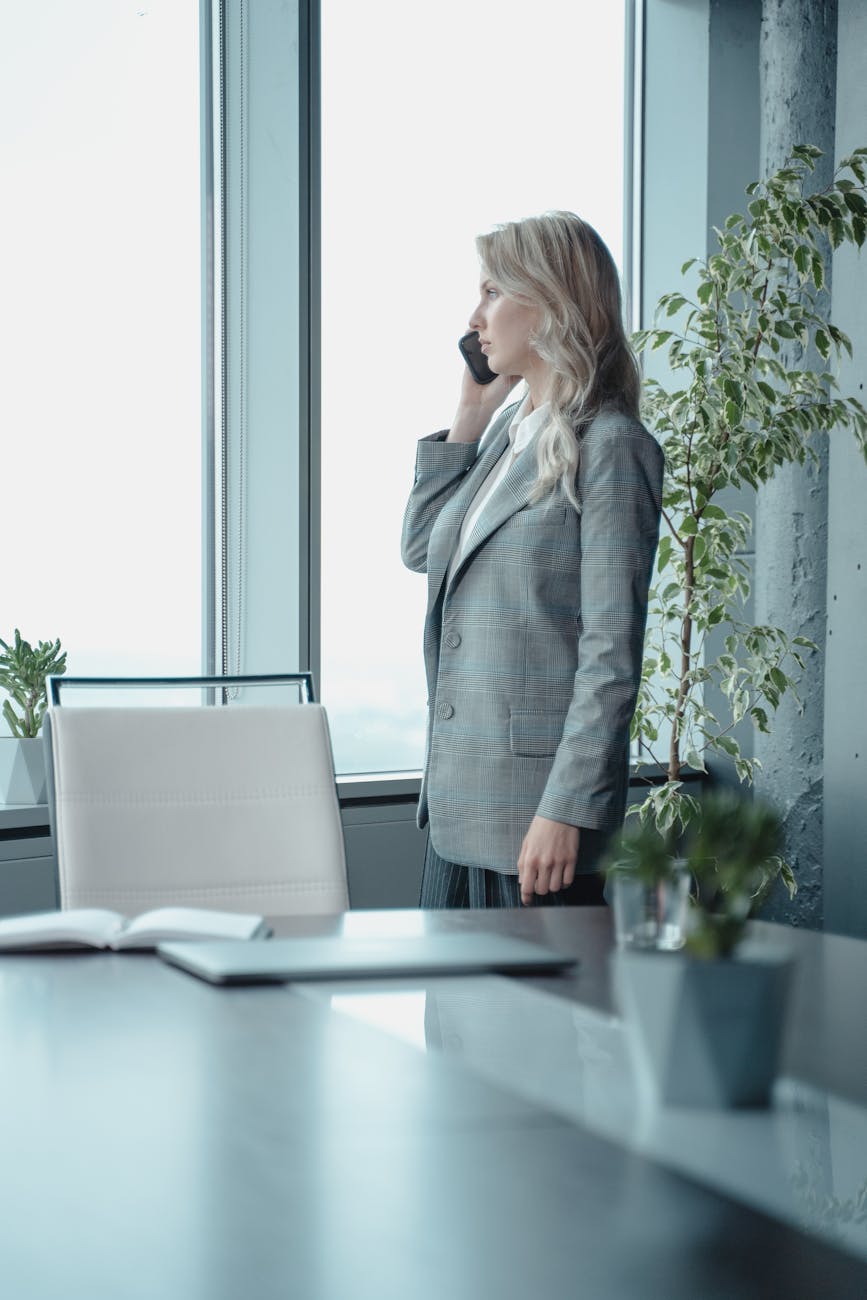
x: 24, y: 670
x: 707, y: 1020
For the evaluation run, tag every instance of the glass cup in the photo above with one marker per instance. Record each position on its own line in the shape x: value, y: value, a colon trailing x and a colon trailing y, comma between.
x: 650, y: 915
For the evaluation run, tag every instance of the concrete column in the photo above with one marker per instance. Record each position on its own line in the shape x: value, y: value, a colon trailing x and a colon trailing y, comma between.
x: 845, y: 867
x: 798, y: 53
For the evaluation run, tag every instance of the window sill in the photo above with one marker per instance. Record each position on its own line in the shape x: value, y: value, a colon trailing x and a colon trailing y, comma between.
x: 354, y: 790
x: 402, y: 787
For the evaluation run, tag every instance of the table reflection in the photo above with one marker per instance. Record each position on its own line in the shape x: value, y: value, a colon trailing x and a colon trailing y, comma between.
x: 803, y: 1160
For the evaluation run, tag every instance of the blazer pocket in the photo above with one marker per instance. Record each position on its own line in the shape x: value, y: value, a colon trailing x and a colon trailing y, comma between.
x: 534, y: 735
x: 542, y: 516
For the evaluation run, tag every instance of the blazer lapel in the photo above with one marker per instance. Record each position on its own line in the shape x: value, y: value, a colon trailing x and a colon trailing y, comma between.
x: 509, y: 496
x: 452, y: 514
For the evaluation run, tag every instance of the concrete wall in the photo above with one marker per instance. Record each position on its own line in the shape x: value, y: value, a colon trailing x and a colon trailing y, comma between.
x: 798, y: 81
x: 845, y: 691
x: 702, y: 147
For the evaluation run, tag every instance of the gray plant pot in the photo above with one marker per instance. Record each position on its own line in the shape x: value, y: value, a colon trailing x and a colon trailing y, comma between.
x: 22, y: 770
x: 706, y: 1033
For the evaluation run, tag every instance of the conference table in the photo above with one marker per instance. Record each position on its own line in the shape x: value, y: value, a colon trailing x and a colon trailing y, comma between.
x: 457, y: 1137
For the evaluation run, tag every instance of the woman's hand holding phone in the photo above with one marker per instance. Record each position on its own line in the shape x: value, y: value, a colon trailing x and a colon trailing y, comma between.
x: 477, y: 404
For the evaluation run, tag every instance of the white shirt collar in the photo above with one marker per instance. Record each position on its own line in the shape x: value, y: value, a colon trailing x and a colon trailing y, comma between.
x: 527, y: 423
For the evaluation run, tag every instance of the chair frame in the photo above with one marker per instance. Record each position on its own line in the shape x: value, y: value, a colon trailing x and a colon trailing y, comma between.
x: 303, y: 680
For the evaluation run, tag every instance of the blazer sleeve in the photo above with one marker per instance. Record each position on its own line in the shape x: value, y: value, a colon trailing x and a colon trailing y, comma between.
x: 620, y: 489
x: 440, y: 467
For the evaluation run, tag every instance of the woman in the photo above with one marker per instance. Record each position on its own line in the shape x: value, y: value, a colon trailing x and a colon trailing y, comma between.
x: 538, y: 548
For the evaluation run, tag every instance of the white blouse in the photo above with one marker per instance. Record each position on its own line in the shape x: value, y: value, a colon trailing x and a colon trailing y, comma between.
x: 523, y: 429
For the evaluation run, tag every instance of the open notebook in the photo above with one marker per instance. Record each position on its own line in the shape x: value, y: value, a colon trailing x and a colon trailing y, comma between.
x: 95, y: 927
x: 335, y: 957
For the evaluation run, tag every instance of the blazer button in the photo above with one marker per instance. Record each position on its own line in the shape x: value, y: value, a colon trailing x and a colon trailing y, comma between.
x: 445, y: 711
x: 453, y: 640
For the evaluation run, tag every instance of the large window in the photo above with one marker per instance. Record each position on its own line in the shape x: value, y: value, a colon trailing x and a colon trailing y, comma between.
x: 100, y: 332
x: 438, y: 121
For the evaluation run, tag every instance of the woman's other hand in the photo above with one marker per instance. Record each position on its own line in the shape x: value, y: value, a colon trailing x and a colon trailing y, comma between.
x: 548, y: 857
x: 477, y: 404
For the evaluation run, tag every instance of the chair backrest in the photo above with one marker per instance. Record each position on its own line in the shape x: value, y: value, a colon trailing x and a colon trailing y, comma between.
x: 228, y: 807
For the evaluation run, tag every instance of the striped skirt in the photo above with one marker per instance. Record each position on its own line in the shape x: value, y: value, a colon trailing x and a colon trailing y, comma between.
x: 446, y: 884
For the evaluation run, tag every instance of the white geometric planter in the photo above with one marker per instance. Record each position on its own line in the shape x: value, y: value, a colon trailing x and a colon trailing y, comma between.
x: 22, y: 770
x: 706, y: 1033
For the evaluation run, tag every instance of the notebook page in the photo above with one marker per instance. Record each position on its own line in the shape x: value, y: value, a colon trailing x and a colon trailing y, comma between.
x: 187, y: 923
x: 94, y: 926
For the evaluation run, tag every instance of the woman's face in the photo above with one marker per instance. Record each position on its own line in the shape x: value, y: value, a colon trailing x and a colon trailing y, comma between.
x: 504, y: 328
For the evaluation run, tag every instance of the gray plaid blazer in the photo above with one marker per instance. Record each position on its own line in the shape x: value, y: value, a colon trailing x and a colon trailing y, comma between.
x: 533, y: 648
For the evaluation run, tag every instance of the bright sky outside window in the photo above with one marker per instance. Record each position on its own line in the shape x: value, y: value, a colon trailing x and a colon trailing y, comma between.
x: 101, y: 333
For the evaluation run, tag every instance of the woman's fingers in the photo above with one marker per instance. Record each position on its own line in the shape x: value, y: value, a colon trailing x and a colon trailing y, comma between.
x: 554, y: 882
x: 548, y: 857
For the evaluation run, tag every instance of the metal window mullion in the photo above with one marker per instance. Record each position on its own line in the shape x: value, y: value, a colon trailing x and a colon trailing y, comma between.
x: 309, y: 198
x: 224, y: 349
x: 633, y: 194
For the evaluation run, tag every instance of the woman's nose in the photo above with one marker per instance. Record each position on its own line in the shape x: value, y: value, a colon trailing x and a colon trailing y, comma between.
x: 475, y: 321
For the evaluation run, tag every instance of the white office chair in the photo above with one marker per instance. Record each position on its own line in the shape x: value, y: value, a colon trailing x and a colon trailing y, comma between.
x: 213, y: 806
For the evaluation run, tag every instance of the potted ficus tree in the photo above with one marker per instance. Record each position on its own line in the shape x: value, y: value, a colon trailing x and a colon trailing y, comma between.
x: 741, y: 402
x: 24, y: 670
x: 707, y: 1020
x: 752, y: 361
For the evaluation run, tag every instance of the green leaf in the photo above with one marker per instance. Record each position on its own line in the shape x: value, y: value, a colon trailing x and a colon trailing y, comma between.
x: 841, y: 339
x: 663, y: 554
x: 688, y: 526
x: 818, y: 268
x: 779, y: 678
x: 12, y: 719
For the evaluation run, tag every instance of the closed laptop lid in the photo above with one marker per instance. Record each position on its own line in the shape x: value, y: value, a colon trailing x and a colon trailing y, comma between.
x: 334, y: 957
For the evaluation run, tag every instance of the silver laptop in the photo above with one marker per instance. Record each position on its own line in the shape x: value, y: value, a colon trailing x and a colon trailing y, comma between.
x: 337, y: 957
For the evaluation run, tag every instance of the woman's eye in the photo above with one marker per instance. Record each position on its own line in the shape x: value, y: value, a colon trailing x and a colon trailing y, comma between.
x: 491, y: 293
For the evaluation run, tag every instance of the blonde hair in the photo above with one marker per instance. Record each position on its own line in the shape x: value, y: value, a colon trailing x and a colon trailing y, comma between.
x: 558, y: 264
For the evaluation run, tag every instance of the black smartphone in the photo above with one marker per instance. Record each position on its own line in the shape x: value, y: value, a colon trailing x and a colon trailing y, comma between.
x: 475, y: 358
